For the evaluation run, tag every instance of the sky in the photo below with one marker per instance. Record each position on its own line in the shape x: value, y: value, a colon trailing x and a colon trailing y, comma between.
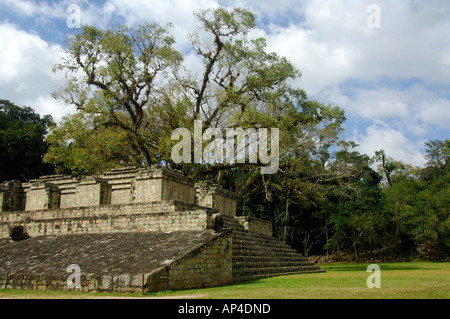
x: 386, y: 63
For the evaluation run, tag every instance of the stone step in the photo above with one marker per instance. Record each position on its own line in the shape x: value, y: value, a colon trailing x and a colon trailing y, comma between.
x: 272, y: 271
x: 257, y: 238
x: 271, y: 264
x: 259, y: 256
x: 264, y: 258
x: 261, y: 250
x: 255, y: 244
x: 243, y: 234
x: 242, y: 278
x: 235, y: 225
x: 238, y: 233
x: 263, y: 241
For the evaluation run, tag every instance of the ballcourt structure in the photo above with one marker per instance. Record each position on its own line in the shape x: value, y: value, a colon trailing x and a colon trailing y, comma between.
x: 133, y: 230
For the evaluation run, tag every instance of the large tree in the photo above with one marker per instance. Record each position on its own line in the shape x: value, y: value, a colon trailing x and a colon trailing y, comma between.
x: 130, y: 89
x: 114, y: 79
x: 22, y: 142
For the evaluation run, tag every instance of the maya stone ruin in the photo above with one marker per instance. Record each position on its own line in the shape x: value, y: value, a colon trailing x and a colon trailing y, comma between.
x: 133, y: 230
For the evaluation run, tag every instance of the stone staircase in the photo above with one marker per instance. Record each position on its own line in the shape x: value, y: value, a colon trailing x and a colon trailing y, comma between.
x: 258, y: 256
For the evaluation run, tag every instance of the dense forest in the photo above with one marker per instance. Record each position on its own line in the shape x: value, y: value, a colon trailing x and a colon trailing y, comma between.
x: 130, y: 91
x: 22, y: 142
x: 395, y: 211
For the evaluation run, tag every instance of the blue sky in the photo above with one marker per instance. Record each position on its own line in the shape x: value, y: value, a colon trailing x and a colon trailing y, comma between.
x: 392, y: 78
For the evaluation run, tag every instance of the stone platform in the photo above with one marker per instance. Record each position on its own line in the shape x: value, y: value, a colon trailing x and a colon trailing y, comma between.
x: 121, y: 262
x: 133, y: 230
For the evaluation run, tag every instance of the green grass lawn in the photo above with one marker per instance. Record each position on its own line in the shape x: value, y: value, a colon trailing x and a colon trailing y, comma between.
x: 414, y: 280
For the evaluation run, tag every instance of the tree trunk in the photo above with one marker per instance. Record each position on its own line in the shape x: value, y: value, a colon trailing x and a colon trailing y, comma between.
x: 355, y: 251
x: 326, y: 235
x: 285, y: 219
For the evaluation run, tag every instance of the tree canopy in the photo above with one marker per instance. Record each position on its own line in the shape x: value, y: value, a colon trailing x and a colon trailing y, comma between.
x: 22, y: 142
x: 131, y: 91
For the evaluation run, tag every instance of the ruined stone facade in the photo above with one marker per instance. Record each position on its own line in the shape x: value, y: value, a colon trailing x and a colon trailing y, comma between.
x: 120, y: 186
x: 123, y: 200
x: 132, y: 230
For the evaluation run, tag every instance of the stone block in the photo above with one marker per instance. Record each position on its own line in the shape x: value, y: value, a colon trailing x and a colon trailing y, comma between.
x: 4, y: 200
x: 213, y: 196
x: 93, y: 191
x: 11, y: 196
x: 43, y: 195
x: 162, y: 184
x: 256, y: 225
x: 122, y: 184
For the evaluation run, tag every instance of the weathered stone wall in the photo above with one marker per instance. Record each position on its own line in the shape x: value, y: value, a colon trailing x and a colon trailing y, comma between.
x: 225, y: 204
x: 255, y: 225
x: 4, y: 200
x: 208, y: 266
x: 163, y: 184
x: 122, y: 183
x: 147, y: 202
x: 120, y: 186
x: 65, y: 183
x: 119, y: 262
x: 11, y: 196
x: 93, y: 191
x: 214, y: 196
x: 139, y: 217
x: 49, y: 283
x: 43, y: 195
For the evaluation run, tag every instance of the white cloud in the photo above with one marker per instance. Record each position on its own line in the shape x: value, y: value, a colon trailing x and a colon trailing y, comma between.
x: 396, y: 145
x: 435, y: 112
x: 412, y: 105
x: 321, y: 65
x: 331, y: 42
x: 30, y: 9
x: 377, y: 104
x: 178, y: 12
x: 25, y: 65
